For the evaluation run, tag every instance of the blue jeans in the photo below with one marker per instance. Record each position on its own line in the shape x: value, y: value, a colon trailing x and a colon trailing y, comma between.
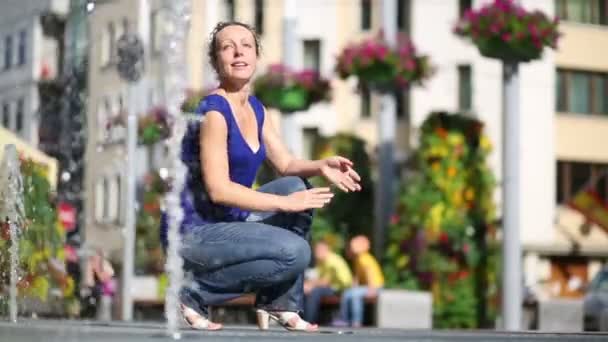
x: 312, y: 302
x: 265, y: 255
x: 353, y: 303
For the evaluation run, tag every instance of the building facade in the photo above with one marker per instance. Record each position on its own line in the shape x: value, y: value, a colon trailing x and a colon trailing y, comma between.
x: 562, y: 99
x: 28, y: 53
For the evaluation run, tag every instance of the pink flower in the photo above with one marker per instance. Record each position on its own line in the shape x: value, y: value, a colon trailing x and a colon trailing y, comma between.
x: 409, y: 64
x: 466, y: 248
x: 394, y: 219
x: 533, y: 30
x: 381, y: 51
x: 506, y: 37
x: 494, y: 28
x: 277, y: 69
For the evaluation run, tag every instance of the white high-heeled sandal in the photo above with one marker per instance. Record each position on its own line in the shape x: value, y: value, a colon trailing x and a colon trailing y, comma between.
x: 285, y: 319
x: 197, y: 321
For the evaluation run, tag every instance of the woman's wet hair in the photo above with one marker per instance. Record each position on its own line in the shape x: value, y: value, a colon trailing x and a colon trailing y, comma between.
x: 212, y: 48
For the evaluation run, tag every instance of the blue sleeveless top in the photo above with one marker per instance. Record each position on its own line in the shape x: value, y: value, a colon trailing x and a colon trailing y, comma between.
x: 243, y: 165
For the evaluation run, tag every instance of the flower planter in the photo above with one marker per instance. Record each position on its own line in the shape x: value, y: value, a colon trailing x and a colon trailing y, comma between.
x: 290, y: 91
x: 504, y: 30
x: 382, y: 68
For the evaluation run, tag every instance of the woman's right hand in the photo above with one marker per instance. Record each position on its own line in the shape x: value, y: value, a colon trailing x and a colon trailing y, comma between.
x: 314, y: 198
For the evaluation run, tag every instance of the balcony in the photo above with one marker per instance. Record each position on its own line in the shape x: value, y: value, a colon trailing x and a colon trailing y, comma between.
x: 583, y: 46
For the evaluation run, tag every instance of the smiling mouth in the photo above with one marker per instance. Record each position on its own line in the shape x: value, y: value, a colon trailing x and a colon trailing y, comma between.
x: 239, y: 64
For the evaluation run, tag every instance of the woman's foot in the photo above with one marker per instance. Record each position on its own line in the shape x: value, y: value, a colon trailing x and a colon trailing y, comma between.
x: 287, y: 319
x: 196, y: 320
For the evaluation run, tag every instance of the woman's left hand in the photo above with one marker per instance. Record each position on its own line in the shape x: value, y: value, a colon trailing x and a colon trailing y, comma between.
x: 339, y: 171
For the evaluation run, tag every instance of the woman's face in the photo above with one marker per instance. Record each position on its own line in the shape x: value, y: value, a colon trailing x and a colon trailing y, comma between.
x: 236, y: 53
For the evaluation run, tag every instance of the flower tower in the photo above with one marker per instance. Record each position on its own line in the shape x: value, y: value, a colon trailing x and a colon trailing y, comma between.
x: 442, y: 237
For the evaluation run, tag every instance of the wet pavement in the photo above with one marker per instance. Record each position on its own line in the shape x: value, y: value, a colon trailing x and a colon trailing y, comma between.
x: 68, y: 331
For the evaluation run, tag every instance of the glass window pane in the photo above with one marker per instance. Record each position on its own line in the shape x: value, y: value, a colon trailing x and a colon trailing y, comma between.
x: 312, y: 54
x: 99, y: 201
x: 8, y: 52
x: 22, y: 47
x: 19, y: 116
x: 560, y: 91
x: 576, y: 10
x: 598, y: 94
x: 464, y: 88
x: 366, y: 103
x: 259, y: 16
x: 578, y: 93
x: 366, y: 14
x: 581, y: 175
x: 6, y: 115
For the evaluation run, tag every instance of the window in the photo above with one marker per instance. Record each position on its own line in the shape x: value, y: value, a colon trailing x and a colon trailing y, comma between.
x: 22, y: 47
x: 402, y: 103
x: 403, y: 15
x: 155, y: 32
x: 583, y: 11
x: 19, y: 116
x: 366, y: 14
x: 312, y: 54
x: 230, y: 10
x: 573, y: 177
x: 8, y: 52
x: 366, y: 103
x: 310, y: 136
x: 99, y: 200
x: 106, y: 199
x: 6, y: 115
x: 113, y: 199
x: 463, y: 6
x: 102, y: 121
x: 581, y: 92
x: 108, y: 46
x: 465, y: 93
x: 259, y: 16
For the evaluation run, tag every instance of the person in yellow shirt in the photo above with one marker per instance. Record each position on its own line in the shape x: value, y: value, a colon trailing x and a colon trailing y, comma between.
x: 368, y: 280
x: 333, y: 276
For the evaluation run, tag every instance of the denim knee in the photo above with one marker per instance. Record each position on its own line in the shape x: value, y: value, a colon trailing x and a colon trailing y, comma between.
x: 295, y: 256
x: 294, y: 184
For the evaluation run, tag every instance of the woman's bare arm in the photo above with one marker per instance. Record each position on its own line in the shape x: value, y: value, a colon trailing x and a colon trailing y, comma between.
x: 222, y: 190
x: 282, y: 160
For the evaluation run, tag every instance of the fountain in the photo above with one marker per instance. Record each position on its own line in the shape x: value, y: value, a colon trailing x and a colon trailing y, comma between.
x: 11, y: 211
x: 177, y: 19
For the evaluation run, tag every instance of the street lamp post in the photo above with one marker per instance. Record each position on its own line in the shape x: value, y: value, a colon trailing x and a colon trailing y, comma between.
x: 386, y: 137
x: 130, y: 68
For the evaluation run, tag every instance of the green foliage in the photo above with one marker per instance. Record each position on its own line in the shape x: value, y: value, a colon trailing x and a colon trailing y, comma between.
x: 349, y: 212
x: 442, y: 237
x: 149, y: 255
x: 42, y: 239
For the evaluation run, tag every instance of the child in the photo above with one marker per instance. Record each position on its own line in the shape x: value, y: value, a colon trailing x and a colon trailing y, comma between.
x: 333, y: 276
x: 368, y: 280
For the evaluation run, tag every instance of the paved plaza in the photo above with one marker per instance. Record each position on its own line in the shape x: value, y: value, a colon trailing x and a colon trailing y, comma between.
x: 68, y: 331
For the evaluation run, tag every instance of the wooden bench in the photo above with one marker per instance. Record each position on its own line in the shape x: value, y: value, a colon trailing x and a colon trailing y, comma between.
x: 240, y: 310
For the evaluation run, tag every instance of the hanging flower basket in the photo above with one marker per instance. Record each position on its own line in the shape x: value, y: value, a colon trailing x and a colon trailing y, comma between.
x: 379, y: 67
x: 154, y: 126
x: 290, y: 91
x: 504, y: 30
x: 193, y: 99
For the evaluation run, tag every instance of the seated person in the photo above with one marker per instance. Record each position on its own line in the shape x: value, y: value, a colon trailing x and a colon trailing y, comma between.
x: 333, y: 276
x: 367, y: 281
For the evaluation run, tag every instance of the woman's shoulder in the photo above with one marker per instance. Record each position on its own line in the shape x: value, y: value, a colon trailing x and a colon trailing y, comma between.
x: 212, y: 102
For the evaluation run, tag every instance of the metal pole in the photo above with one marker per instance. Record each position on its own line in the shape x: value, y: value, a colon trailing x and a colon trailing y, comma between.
x: 129, y: 230
x: 290, y: 129
x: 511, y: 277
x: 386, y: 138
